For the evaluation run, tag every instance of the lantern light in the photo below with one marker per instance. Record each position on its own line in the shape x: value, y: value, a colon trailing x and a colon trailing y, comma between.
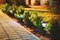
x: 43, y: 24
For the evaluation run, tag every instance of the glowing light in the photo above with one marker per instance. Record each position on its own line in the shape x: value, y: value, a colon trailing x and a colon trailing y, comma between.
x: 44, y: 24
x: 11, y: 11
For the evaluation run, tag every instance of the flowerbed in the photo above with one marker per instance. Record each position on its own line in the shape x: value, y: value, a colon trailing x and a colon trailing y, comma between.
x: 32, y: 18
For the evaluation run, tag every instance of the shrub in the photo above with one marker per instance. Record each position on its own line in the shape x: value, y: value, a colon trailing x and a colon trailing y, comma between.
x: 33, y: 18
x: 4, y: 7
x: 36, y: 20
x: 19, y: 13
x: 47, y: 28
x: 11, y: 9
x: 26, y: 17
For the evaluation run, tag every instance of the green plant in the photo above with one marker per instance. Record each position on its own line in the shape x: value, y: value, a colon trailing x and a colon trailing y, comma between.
x: 26, y: 16
x: 19, y: 13
x: 47, y: 27
x: 4, y: 7
x: 33, y: 18
x: 11, y: 9
x: 36, y: 20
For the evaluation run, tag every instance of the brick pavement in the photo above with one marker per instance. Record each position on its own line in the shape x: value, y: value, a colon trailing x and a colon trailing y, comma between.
x: 10, y: 30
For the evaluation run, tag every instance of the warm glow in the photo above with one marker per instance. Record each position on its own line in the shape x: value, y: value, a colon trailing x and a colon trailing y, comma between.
x: 44, y: 24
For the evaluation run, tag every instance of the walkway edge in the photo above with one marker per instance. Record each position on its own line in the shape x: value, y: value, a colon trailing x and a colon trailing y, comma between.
x: 28, y: 31
x: 23, y: 28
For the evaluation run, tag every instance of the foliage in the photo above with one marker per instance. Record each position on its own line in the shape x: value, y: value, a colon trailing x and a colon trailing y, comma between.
x: 19, y: 13
x: 11, y: 9
x: 4, y: 7
x: 26, y: 17
x: 33, y: 18
x: 30, y: 17
x: 48, y: 26
x: 36, y: 20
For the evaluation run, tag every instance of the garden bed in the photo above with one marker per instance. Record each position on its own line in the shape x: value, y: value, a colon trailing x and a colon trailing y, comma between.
x: 32, y: 30
x: 33, y: 20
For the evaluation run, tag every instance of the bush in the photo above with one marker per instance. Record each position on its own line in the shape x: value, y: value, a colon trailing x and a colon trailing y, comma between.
x: 33, y: 18
x: 26, y: 17
x: 47, y: 28
x: 11, y: 9
x: 19, y: 13
x: 36, y: 20
x: 4, y: 7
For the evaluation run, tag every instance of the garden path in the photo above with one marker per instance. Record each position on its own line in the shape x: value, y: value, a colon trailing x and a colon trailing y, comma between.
x: 11, y: 30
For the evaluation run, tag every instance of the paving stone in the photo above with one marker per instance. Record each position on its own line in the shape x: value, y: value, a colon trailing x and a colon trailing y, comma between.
x: 16, y: 39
